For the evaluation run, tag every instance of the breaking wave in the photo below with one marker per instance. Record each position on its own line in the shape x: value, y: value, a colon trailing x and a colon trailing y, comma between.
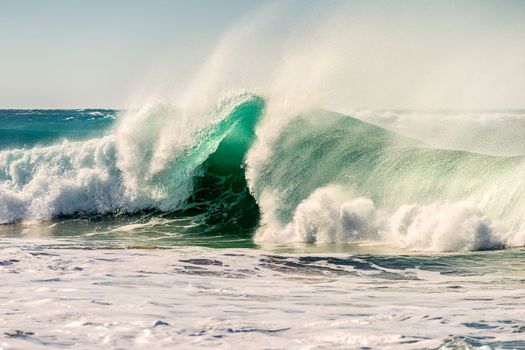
x: 324, y: 178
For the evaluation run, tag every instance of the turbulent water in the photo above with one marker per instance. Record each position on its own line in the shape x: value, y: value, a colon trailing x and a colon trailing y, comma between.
x: 367, y: 227
x: 154, y: 178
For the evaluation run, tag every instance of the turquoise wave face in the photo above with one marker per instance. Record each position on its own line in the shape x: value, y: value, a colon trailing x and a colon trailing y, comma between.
x: 216, y: 153
x: 328, y: 179
x: 327, y: 148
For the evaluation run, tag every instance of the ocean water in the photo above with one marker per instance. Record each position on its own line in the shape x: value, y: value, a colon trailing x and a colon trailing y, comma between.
x: 366, y: 229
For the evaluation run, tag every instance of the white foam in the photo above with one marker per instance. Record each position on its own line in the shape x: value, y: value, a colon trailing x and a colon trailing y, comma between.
x: 326, y: 217
x: 63, y: 179
x: 200, y: 298
x: 457, y: 226
x: 331, y: 215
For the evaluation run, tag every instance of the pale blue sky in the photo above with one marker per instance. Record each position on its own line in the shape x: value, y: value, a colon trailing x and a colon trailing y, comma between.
x: 91, y: 53
x: 76, y: 54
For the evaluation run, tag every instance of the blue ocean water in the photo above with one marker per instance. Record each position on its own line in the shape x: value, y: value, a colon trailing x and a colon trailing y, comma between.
x: 21, y: 128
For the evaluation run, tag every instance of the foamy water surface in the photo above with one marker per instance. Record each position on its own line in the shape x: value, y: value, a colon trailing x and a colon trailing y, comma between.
x: 55, y: 294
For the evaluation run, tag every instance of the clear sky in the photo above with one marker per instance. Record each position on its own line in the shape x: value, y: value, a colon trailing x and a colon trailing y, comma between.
x: 97, y: 53
x: 74, y: 53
